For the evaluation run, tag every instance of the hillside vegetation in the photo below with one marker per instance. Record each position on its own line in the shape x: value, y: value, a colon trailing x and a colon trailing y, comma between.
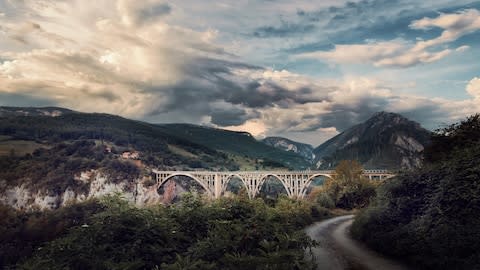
x: 236, y: 233
x: 348, y: 189
x: 22, y: 130
x: 107, y: 128
x: 430, y: 216
x: 240, y: 143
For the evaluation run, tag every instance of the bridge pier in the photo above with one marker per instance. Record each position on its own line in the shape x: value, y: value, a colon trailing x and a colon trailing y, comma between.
x: 217, y: 186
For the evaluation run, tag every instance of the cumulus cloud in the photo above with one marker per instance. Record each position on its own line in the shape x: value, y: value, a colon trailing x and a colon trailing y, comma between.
x: 131, y: 60
x: 401, y: 53
x: 473, y: 88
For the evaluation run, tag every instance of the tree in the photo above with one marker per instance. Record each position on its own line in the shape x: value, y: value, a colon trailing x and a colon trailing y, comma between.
x: 452, y: 138
x: 348, y: 188
x: 348, y: 171
x: 429, y: 216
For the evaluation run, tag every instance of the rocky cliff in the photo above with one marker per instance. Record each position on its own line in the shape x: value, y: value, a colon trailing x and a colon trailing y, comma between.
x: 139, y: 191
x: 302, y: 149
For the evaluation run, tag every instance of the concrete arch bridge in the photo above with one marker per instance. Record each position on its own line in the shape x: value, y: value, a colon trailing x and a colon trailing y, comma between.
x: 296, y: 183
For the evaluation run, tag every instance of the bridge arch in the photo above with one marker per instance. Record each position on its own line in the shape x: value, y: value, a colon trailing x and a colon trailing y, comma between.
x: 229, y: 178
x: 202, y: 184
x: 264, y: 178
x: 309, y: 181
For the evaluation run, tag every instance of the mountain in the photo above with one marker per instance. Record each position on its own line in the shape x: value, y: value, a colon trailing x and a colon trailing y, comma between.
x: 386, y: 140
x: 239, y: 143
x: 47, y: 162
x: 302, y: 149
x: 179, y: 146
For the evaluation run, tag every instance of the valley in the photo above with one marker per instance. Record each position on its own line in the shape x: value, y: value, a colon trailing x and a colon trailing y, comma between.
x: 70, y: 170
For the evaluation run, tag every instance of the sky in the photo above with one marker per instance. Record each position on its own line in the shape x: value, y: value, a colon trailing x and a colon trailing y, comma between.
x: 305, y: 69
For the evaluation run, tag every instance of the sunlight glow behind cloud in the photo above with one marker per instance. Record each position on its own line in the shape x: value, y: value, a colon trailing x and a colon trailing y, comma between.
x: 140, y: 60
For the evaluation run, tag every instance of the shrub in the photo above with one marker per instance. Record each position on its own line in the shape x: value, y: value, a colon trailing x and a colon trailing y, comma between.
x: 224, y: 234
x: 430, y: 216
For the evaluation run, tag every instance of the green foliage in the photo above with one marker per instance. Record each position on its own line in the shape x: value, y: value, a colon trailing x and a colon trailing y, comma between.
x: 453, y: 138
x: 235, y: 233
x: 53, y: 169
x: 21, y: 233
x: 348, y: 189
x: 323, y: 199
x: 430, y: 216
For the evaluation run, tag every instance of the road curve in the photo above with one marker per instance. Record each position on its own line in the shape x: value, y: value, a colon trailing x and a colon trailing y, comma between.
x: 338, y: 251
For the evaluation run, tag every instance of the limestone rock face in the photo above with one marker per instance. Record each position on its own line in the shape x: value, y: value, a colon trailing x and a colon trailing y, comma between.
x: 21, y: 197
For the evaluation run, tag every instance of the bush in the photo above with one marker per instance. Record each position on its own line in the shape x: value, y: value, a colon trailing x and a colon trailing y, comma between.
x: 324, y: 200
x: 430, y: 216
x: 348, y: 189
x: 22, y: 233
x: 225, y: 234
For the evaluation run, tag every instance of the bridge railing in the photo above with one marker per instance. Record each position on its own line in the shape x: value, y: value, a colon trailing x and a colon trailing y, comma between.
x: 310, y: 172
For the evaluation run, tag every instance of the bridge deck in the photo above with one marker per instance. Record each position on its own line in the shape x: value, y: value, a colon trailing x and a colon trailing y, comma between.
x: 295, y: 183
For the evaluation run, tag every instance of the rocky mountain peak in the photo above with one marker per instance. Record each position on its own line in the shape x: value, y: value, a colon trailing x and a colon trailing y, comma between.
x: 389, y: 119
x: 386, y: 140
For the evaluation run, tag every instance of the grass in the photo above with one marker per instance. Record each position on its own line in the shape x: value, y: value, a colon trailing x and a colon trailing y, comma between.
x: 19, y: 147
x: 181, y: 152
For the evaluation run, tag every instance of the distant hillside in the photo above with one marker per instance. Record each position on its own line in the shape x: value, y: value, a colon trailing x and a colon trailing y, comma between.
x: 240, y: 143
x: 33, y: 111
x: 47, y: 162
x: 302, y: 149
x: 160, y: 149
x: 25, y: 129
x: 386, y: 140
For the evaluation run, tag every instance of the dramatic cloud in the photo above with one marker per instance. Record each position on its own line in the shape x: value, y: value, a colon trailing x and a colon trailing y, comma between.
x: 185, y: 62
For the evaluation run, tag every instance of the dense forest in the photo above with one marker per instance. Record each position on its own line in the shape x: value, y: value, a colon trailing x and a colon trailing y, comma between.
x: 430, y: 216
x: 235, y: 233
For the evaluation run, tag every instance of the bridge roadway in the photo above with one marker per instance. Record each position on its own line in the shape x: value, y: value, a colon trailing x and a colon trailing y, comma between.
x: 296, y: 183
